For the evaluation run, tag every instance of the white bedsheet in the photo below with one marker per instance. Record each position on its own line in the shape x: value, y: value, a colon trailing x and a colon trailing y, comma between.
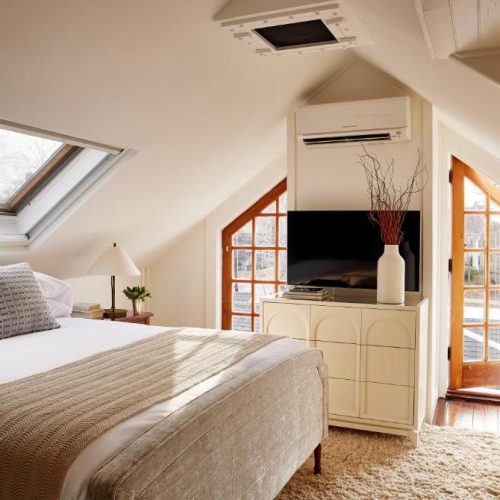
x: 27, y: 355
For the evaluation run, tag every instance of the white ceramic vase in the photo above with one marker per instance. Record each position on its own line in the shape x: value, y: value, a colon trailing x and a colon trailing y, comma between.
x: 391, y: 276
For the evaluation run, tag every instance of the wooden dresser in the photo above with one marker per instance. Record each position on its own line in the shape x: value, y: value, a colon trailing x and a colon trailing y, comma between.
x: 376, y: 356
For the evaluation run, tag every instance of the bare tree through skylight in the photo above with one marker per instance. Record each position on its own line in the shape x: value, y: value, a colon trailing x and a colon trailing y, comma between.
x: 21, y: 156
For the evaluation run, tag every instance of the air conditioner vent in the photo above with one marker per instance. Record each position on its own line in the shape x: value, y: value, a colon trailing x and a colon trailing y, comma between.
x: 352, y: 122
x: 347, y: 138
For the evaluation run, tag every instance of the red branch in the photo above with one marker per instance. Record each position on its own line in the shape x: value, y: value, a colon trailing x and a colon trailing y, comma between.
x: 389, y: 203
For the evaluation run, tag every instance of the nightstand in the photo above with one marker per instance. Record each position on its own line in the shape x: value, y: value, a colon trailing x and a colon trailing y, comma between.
x: 142, y: 318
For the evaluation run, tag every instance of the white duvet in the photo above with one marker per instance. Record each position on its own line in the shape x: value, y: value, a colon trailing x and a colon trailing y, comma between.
x: 27, y: 355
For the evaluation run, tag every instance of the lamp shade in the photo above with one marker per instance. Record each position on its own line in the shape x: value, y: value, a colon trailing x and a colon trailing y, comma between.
x: 114, y: 261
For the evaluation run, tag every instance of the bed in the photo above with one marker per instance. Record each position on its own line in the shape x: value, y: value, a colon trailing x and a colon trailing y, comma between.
x: 240, y: 433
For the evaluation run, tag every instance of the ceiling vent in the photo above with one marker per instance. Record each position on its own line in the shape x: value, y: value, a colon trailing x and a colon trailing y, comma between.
x: 276, y: 27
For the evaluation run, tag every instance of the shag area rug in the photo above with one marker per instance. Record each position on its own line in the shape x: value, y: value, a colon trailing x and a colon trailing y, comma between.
x: 448, y: 463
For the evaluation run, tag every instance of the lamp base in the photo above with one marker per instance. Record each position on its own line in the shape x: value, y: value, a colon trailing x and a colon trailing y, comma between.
x: 117, y: 313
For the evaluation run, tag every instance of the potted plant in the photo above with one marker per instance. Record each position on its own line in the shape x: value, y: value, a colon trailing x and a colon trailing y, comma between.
x: 137, y: 294
x: 389, y: 205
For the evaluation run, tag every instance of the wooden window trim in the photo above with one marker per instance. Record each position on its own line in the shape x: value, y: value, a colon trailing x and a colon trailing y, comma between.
x: 57, y: 162
x: 227, y: 278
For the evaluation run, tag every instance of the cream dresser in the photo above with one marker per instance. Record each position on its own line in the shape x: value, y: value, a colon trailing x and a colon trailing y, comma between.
x: 376, y: 356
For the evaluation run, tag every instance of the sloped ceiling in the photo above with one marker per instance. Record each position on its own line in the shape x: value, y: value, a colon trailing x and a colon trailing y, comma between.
x: 470, y: 100
x: 466, y: 27
x: 203, y: 113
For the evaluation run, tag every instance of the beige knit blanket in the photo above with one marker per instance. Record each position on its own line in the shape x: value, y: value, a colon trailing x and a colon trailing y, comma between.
x: 46, y: 420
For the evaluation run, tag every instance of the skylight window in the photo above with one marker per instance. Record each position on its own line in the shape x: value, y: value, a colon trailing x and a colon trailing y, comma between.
x: 27, y: 163
x: 21, y: 157
x: 42, y: 176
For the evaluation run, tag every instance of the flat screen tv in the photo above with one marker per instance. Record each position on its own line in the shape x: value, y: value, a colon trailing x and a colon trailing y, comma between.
x: 341, y: 249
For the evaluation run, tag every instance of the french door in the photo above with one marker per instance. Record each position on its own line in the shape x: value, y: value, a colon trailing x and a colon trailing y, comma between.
x: 475, y: 315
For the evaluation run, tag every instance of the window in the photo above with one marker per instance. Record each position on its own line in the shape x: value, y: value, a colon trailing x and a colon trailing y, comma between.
x: 42, y: 176
x: 27, y: 163
x: 254, y: 260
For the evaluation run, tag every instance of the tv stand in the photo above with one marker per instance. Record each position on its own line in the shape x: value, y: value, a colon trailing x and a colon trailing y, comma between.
x: 376, y: 356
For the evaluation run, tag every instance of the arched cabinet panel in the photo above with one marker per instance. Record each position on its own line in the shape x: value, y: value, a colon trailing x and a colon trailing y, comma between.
x: 336, y: 324
x: 388, y: 328
x: 287, y: 320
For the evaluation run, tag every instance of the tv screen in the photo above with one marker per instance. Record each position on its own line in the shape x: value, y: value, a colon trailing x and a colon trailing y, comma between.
x: 341, y: 249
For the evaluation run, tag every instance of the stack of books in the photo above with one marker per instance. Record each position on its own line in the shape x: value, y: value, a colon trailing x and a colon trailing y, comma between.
x: 308, y: 293
x: 87, y: 310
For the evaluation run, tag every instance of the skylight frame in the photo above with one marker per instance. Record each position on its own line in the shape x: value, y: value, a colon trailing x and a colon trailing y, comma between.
x: 40, y: 179
x: 87, y: 165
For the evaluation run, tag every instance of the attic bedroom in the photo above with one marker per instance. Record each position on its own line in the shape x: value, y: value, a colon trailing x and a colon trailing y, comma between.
x: 249, y: 249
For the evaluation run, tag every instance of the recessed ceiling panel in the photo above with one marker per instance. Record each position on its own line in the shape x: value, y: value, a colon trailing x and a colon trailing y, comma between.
x: 297, y: 34
x: 272, y: 29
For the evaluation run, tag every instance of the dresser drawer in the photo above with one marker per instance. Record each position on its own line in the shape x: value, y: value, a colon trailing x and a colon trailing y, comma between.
x: 387, y: 403
x: 336, y: 324
x: 286, y: 320
x: 388, y: 365
x: 388, y: 328
x: 343, y: 397
x: 342, y: 359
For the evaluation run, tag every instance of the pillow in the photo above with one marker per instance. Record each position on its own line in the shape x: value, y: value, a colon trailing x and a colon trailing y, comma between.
x: 22, y: 306
x: 57, y: 294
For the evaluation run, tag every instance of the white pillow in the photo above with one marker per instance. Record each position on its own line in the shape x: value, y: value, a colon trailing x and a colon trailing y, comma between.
x: 57, y: 294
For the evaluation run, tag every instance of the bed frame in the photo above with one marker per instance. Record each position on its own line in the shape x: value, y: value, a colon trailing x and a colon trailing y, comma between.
x: 244, y: 439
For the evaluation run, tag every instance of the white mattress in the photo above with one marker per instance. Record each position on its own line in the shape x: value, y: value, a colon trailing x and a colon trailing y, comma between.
x: 27, y: 355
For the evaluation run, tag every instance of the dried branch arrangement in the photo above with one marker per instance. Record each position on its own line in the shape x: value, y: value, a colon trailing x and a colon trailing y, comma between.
x: 389, y: 203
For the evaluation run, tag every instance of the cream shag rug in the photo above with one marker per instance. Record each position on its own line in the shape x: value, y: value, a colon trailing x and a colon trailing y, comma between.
x: 449, y: 463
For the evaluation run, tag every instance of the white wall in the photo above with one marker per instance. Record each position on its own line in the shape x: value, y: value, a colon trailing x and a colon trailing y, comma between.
x: 194, y: 261
x: 177, y: 281
x: 98, y: 289
x: 451, y: 143
x: 327, y: 178
x: 185, y: 280
x: 330, y: 178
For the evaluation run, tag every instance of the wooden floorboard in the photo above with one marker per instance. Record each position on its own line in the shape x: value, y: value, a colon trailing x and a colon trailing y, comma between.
x: 469, y: 415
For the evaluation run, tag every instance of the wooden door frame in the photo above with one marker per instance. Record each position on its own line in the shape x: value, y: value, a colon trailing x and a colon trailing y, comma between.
x: 457, y: 276
x: 459, y: 172
x: 227, y: 233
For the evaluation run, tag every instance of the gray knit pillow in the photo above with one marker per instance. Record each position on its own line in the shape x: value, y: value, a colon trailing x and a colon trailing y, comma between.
x: 22, y: 306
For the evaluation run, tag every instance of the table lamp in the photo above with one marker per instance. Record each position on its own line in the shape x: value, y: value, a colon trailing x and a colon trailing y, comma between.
x: 114, y: 261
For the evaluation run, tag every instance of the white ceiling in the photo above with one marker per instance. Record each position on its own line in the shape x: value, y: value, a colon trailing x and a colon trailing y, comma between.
x: 468, y: 27
x: 471, y: 101
x: 203, y: 113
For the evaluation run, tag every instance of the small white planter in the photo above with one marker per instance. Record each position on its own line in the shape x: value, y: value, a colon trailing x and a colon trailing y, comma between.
x: 391, y: 276
x: 137, y: 306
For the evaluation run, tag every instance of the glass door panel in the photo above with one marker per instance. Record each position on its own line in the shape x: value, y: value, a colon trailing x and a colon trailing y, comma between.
x: 474, y: 198
x: 474, y: 304
x: 474, y: 269
x: 475, y: 231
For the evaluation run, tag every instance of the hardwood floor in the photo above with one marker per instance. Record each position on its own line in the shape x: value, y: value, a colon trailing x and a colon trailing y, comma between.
x: 477, y: 416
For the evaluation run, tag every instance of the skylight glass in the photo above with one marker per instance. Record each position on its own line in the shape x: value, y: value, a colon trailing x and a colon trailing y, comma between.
x: 22, y: 156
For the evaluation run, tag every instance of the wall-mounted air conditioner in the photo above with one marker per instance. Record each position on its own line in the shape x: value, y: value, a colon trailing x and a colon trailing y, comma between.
x: 343, y: 123
x: 276, y: 27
